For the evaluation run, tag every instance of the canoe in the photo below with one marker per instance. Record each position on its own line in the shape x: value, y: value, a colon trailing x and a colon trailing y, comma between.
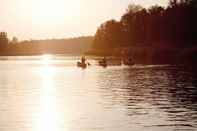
x: 128, y: 63
x: 103, y: 63
x: 81, y: 65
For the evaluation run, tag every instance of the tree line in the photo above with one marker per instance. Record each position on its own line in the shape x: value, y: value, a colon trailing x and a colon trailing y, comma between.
x: 171, y: 26
x: 49, y: 46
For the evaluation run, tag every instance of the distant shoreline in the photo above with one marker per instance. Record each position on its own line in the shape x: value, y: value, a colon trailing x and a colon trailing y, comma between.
x: 39, y: 54
x: 39, y: 47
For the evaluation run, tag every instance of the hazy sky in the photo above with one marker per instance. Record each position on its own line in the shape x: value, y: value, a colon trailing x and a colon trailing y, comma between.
x: 40, y: 19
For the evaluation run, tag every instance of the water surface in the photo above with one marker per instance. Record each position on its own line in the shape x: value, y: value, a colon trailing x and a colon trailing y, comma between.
x: 51, y: 94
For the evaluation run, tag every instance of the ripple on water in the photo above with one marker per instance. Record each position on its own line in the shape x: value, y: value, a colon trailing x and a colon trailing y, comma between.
x: 118, y: 98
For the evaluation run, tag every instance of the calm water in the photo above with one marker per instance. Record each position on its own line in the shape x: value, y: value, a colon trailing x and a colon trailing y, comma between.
x: 51, y: 94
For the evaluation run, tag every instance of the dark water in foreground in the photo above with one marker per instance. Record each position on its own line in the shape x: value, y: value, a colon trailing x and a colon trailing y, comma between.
x: 51, y: 94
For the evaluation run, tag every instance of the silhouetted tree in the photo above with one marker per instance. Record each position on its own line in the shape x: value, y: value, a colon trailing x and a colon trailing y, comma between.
x: 108, y: 35
x: 14, y: 40
x: 3, y: 40
x: 132, y: 8
x: 172, y: 26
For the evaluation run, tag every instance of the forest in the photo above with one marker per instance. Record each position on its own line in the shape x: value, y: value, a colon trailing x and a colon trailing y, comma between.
x: 154, y: 35
x: 71, y: 46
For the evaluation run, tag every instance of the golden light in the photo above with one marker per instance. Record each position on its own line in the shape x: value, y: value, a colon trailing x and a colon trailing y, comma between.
x: 46, y: 59
x: 46, y: 68
x: 53, y: 12
x: 48, y: 114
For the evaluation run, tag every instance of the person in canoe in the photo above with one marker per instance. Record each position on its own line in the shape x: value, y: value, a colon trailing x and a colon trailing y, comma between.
x: 83, y: 63
x: 128, y: 61
x: 103, y: 62
x: 83, y: 60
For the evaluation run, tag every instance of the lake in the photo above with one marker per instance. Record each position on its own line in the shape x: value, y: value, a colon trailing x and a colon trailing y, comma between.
x: 49, y: 93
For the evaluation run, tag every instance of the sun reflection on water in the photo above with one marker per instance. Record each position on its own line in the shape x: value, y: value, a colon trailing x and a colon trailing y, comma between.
x: 46, y: 59
x: 48, y: 111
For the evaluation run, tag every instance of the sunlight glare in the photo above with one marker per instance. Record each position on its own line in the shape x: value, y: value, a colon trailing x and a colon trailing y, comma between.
x: 46, y: 59
x: 48, y: 113
x: 46, y: 68
x: 54, y: 11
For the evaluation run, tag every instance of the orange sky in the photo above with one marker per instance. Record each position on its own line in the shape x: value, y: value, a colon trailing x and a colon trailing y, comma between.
x: 41, y: 19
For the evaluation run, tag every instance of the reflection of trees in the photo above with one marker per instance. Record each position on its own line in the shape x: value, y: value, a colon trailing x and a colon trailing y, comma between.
x: 182, y: 88
x: 168, y: 89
